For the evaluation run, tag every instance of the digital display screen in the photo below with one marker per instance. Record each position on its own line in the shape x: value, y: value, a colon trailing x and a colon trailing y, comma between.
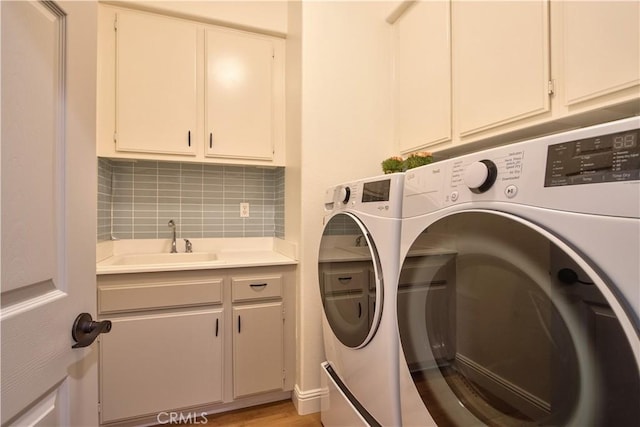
x: 377, y: 191
x: 607, y: 158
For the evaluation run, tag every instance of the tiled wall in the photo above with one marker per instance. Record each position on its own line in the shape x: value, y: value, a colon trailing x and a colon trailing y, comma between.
x: 105, y: 173
x: 203, y: 200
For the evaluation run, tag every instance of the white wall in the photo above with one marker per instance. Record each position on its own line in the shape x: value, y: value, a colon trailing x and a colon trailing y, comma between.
x: 292, y: 178
x: 346, y: 131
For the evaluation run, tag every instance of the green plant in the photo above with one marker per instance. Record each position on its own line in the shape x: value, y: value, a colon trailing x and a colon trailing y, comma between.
x: 417, y: 159
x: 392, y: 164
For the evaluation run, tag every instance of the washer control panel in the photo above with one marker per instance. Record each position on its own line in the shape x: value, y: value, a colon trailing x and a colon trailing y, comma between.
x: 606, y: 158
x: 380, y: 195
x: 542, y: 172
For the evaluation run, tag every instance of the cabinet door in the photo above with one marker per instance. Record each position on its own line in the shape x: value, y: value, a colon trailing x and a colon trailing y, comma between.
x: 501, y: 62
x: 601, y: 48
x: 155, y: 84
x: 149, y: 364
x: 257, y: 348
x: 239, y: 95
x: 423, y: 76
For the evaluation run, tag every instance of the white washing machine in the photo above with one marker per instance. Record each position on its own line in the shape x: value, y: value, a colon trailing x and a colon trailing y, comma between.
x: 358, y: 271
x: 519, y: 291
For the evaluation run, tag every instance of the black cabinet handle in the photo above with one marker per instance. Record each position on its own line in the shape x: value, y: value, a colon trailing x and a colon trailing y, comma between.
x: 344, y: 279
x: 189, y: 138
x: 85, y: 330
x: 210, y: 139
x: 359, y: 310
x: 239, y: 324
x: 217, y: 321
x: 258, y: 285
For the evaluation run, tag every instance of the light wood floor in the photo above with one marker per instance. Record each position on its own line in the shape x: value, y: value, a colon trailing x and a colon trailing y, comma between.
x: 278, y: 414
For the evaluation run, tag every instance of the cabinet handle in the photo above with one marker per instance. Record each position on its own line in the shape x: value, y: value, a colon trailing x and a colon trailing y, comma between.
x: 239, y: 325
x: 189, y: 138
x: 359, y: 310
x: 258, y: 285
x: 217, y: 321
x: 210, y: 139
x: 344, y: 279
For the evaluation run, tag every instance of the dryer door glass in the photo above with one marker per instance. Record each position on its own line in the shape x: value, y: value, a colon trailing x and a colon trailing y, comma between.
x: 500, y: 326
x: 350, y: 280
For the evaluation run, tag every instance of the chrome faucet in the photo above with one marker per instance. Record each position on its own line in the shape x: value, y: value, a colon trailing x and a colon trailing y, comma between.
x: 188, y: 246
x: 174, y: 249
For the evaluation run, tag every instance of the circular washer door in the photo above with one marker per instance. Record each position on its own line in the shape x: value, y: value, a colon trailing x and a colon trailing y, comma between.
x: 350, y: 280
x: 503, y: 324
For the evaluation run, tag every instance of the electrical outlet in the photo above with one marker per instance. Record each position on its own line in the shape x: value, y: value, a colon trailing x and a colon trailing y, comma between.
x: 244, y: 210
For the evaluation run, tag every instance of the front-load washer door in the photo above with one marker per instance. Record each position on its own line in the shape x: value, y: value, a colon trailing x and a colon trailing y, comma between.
x: 350, y: 280
x: 501, y: 323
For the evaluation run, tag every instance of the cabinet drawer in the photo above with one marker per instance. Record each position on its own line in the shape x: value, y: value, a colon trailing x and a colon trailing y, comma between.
x: 255, y: 288
x: 347, y: 280
x: 159, y: 295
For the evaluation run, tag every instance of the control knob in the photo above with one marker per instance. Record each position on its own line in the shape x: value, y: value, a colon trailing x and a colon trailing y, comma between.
x: 480, y: 176
x: 345, y: 194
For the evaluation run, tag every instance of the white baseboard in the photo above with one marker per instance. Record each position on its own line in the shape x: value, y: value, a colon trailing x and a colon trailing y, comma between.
x: 308, y: 401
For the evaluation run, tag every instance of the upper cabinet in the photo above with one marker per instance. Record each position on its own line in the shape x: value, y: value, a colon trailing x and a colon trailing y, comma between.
x: 423, y: 76
x: 515, y: 69
x: 601, y: 49
x: 174, y: 89
x: 156, y: 85
x: 239, y: 95
x: 501, y: 56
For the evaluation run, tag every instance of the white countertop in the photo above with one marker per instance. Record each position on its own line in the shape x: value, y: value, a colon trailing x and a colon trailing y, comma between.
x: 152, y: 255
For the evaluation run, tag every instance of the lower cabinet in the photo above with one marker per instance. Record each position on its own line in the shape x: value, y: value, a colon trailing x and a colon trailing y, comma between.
x: 258, y: 340
x: 190, y: 342
x: 156, y: 362
x: 257, y: 349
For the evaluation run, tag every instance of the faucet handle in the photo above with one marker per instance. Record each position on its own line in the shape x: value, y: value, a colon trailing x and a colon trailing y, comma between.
x: 188, y: 246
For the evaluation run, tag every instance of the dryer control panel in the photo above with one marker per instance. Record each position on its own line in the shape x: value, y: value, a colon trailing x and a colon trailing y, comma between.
x: 606, y: 158
x: 547, y: 172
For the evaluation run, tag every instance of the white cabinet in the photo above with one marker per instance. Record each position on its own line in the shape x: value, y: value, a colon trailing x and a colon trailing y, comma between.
x: 206, y: 340
x: 601, y: 49
x: 156, y: 100
x: 148, y: 363
x: 175, y: 89
x: 518, y: 70
x: 257, y: 349
x: 258, y: 345
x: 501, y: 63
x: 239, y: 95
x: 423, y: 76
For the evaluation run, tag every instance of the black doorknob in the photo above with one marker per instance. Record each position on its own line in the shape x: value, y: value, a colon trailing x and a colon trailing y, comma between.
x: 85, y: 330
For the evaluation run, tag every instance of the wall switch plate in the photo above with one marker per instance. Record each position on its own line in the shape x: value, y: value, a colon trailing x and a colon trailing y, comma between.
x: 244, y: 210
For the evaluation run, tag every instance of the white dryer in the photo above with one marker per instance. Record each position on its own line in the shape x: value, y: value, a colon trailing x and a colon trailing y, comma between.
x: 357, y: 274
x: 519, y: 291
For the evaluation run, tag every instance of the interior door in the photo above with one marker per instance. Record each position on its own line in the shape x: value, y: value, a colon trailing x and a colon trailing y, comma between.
x: 48, y: 181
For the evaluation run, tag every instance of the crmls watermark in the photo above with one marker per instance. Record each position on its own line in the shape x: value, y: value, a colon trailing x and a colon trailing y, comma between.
x: 182, y: 418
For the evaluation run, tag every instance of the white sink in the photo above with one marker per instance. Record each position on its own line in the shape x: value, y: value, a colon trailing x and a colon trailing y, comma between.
x: 164, y: 258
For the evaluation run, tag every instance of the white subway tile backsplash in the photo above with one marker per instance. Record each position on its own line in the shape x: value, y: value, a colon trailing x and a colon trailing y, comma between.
x: 137, y: 199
